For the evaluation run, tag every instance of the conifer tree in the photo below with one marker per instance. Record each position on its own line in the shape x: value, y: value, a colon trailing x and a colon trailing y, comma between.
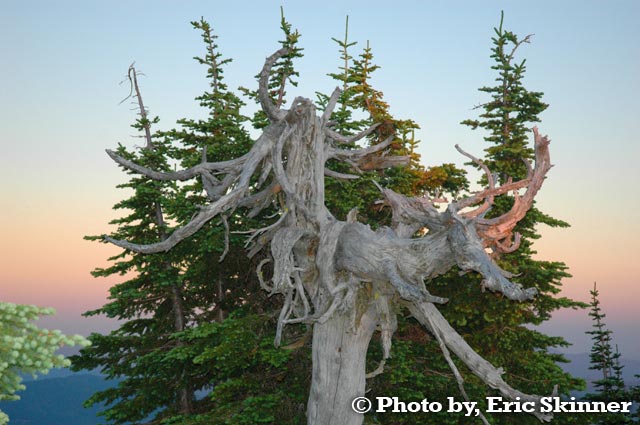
x: 634, y: 395
x: 307, y: 210
x: 224, y: 345
x: 602, y: 356
x: 493, y: 327
x: 407, y: 373
x: 360, y: 106
x: 282, y: 74
x: 606, y: 360
x: 218, y: 137
x: 26, y: 348
x: 152, y: 304
x: 416, y: 351
x: 240, y: 391
x: 497, y: 328
x: 233, y: 347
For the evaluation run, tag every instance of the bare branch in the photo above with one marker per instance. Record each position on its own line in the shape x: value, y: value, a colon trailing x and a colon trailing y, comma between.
x: 200, y: 169
x: 263, y: 283
x: 481, y: 196
x: 357, y: 153
x: 276, y: 160
x: 266, y: 171
x: 406, y: 290
x: 342, y: 176
x: 206, y: 214
x: 254, y: 233
x: 488, y: 201
x: 432, y: 319
x: 273, y: 112
x: 132, y: 75
x: 209, y: 183
x: 526, y: 39
x: 130, y: 83
x: 456, y: 373
x: 214, y: 193
x: 470, y: 255
x: 260, y: 200
x: 506, y: 247
x: 229, y: 201
x: 411, y: 214
x: 326, y: 115
x: 494, y: 230
x: 388, y: 326
x: 364, y: 159
x: 352, y: 139
x: 381, y: 162
x: 226, y: 238
x: 284, y: 312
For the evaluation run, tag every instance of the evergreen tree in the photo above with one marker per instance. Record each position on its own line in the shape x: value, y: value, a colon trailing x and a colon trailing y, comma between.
x: 634, y: 395
x: 603, y: 358
x: 282, y: 73
x: 498, y: 328
x: 361, y: 106
x: 232, y: 348
x: 417, y: 369
x: 493, y: 327
x: 224, y: 346
x: 408, y: 373
x: 225, y: 342
x: 26, y: 348
x: 152, y: 304
x: 242, y: 393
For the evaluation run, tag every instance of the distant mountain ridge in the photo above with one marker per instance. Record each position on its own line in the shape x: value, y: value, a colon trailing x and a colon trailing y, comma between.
x: 56, y: 399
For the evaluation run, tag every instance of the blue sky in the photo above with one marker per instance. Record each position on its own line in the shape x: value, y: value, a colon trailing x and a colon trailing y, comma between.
x: 62, y: 62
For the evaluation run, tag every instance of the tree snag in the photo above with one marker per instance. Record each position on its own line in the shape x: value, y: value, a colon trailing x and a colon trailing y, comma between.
x: 342, y: 277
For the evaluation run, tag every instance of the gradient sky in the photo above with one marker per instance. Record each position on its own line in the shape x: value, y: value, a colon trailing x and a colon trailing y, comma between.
x: 62, y: 62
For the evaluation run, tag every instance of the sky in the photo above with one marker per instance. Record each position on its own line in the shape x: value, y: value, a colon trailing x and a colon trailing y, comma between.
x: 62, y: 63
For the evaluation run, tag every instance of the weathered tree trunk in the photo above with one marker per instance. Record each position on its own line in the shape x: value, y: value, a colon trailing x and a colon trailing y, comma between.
x: 339, y: 360
x: 320, y: 263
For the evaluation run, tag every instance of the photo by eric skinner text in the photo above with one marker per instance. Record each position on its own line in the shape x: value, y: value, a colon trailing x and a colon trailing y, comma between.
x: 494, y: 405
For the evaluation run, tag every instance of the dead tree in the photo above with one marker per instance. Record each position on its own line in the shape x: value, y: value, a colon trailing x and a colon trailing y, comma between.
x: 321, y: 265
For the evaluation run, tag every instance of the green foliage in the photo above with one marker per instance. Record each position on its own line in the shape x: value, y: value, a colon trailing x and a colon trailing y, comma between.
x: 253, y: 382
x: 495, y: 327
x: 154, y: 302
x: 176, y: 338
x: 150, y: 302
x: 282, y: 72
x: 511, y: 107
x: 225, y: 346
x: 221, y: 134
x: 603, y: 358
x: 26, y: 348
x: 360, y: 106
